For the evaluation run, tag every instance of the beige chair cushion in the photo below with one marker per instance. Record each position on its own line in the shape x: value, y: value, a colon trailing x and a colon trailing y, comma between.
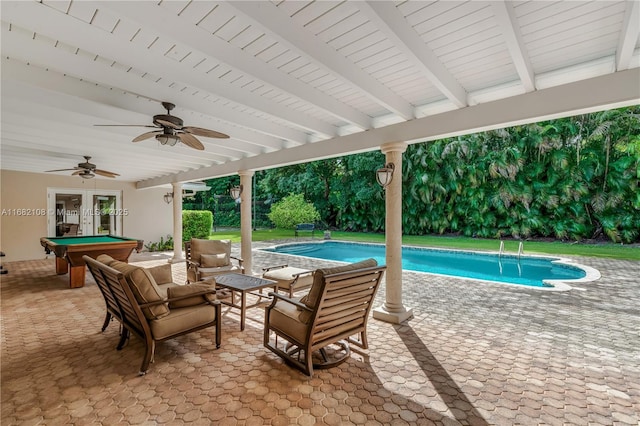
x: 212, y: 272
x: 200, y: 247
x: 161, y: 273
x: 311, y: 299
x: 213, y: 260
x: 144, y: 288
x: 185, y: 290
x: 289, y: 319
x: 105, y: 259
x: 183, y: 319
x: 284, y: 277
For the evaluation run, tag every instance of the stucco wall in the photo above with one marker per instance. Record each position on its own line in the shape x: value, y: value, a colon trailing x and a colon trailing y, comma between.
x: 148, y: 216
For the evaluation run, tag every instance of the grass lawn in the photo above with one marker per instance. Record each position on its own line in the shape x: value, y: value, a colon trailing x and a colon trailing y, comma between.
x: 607, y: 250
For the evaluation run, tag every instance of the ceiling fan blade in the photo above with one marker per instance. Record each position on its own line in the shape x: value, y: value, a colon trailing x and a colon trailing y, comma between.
x: 190, y: 140
x: 146, y: 135
x: 61, y: 170
x: 205, y: 132
x: 168, y: 124
x: 105, y: 173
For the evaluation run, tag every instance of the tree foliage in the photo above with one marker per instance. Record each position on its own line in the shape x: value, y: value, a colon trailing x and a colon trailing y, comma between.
x: 292, y: 210
x: 571, y: 179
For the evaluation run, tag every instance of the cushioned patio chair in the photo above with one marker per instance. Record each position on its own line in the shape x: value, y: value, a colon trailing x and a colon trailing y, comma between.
x: 208, y: 258
x: 153, y: 312
x: 315, y: 331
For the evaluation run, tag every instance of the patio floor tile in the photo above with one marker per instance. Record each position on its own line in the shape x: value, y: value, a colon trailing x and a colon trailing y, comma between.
x: 474, y: 354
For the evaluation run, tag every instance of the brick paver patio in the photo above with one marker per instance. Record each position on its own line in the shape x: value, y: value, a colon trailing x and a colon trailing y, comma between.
x: 474, y: 353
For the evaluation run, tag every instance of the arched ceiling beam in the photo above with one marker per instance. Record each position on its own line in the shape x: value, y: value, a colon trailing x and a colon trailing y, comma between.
x: 150, y: 14
x: 389, y: 20
x: 629, y: 35
x: 507, y: 20
x: 278, y: 25
x: 51, y: 23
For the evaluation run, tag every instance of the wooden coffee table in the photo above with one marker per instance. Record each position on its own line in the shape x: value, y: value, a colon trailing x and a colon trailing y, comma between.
x: 244, y: 284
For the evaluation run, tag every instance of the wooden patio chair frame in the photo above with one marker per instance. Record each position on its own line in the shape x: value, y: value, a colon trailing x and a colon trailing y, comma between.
x: 122, y: 305
x: 341, y: 311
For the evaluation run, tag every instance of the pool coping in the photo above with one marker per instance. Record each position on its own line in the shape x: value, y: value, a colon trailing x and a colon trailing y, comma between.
x: 591, y: 274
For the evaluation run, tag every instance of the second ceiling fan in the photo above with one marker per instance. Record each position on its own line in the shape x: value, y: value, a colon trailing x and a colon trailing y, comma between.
x: 171, y: 130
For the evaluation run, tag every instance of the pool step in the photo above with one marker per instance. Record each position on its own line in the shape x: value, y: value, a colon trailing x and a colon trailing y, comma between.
x: 300, y: 250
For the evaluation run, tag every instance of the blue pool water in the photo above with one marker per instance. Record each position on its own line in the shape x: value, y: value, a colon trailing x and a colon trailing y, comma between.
x: 523, y: 270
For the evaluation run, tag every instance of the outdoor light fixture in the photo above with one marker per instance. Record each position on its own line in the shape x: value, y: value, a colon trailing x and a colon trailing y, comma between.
x: 235, y: 191
x: 165, y: 139
x: 384, y: 175
x: 168, y: 197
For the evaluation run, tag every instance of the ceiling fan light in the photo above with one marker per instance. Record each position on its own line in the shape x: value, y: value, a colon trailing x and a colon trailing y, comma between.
x: 165, y: 139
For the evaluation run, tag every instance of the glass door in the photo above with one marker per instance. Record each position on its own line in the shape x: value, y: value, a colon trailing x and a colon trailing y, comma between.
x: 74, y: 212
x: 65, y: 208
x: 104, y: 216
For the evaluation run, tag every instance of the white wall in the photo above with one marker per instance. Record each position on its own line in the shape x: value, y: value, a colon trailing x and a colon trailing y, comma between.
x: 148, y: 218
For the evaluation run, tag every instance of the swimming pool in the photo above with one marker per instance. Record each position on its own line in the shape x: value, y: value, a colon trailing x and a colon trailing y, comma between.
x: 550, y: 273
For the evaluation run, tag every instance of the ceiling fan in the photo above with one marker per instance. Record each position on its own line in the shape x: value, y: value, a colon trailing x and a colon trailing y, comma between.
x: 172, y: 130
x: 87, y: 170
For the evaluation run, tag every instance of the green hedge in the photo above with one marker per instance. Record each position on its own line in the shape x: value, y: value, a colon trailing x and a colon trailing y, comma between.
x: 196, y: 224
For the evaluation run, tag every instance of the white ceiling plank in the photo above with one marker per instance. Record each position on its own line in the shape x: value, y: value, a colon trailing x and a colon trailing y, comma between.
x: 82, y: 10
x: 70, y: 63
x: 267, y: 15
x: 391, y: 22
x: 629, y: 35
x: 61, y: 5
x: 338, y: 12
x: 465, y: 27
x: 585, y: 15
x: 101, y: 44
x: 29, y: 85
x: 505, y: 16
x: 430, y: 14
x: 148, y: 14
x: 600, y: 93
x: 312, y: 11
x: 194, y: 11
x: 347, y: 19
x: 105, y: 44
x: 47, y: 119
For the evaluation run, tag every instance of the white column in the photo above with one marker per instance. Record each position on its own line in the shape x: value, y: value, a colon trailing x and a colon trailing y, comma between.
x: 177, y: 223
x: 246, y: 227
x: 393, y: 310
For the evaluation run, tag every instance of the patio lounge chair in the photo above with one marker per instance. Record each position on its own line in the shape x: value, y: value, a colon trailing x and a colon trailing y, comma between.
x: 289, y: 279
x: 153, y: 312
x: 335, y: 309
x: 208, y: 258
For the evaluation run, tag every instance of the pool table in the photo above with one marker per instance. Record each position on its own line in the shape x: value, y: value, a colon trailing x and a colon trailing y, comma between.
x: 69, y: 252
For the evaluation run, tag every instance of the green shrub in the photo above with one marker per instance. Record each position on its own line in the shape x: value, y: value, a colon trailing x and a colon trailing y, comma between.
x: 196, y: 224
x: 292, y: 210
x: 161, y: 245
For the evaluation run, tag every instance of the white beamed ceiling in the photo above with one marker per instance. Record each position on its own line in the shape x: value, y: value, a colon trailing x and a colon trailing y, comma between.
x: 294, y: 81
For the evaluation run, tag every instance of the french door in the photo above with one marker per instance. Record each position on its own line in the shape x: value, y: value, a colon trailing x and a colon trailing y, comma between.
x: 74, y: 212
